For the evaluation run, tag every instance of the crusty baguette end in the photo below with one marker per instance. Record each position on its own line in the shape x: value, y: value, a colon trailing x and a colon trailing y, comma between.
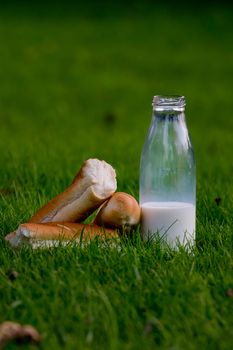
x: 120, y: 211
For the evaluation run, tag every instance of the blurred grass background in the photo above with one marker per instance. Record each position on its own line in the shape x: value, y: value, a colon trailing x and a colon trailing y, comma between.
x: 83, y: 75
x: 77, y: 81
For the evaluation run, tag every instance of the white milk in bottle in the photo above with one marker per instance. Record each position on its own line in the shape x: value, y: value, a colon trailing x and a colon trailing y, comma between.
x: 173, y: 220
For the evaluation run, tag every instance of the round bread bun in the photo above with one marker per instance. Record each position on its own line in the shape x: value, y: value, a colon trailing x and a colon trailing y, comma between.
x: 120, y: 211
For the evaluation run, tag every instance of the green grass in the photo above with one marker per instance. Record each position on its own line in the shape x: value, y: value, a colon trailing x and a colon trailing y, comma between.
x: 61, y: 75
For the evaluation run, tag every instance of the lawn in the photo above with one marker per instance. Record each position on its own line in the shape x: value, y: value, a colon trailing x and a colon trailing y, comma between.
x: 77, y: 83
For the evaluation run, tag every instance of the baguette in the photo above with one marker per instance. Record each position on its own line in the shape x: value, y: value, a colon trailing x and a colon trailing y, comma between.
x: 94, y: 183
x: 50, y: 234
x: 120, y: 211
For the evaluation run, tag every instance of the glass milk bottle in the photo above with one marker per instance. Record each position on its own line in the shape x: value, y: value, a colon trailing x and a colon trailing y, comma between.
x: 167, y: 175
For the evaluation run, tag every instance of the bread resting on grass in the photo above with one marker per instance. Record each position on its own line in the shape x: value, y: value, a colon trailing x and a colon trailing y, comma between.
x: 59, y: 220
x: 50, y: 234
x: 94, y: 183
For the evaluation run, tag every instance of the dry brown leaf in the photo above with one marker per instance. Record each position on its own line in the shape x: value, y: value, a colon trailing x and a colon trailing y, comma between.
x: 15, y: 331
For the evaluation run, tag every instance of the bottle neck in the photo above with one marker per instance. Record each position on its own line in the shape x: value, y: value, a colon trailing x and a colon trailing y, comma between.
x: 168, y: 116
x: 168, y: 124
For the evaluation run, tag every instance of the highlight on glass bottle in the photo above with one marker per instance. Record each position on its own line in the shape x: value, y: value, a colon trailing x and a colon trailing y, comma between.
x: 167, y: 175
